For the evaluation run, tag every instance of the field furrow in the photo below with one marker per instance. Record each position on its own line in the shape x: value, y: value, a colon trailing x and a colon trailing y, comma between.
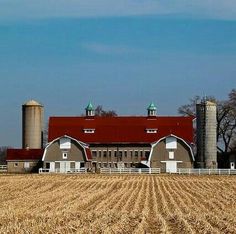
x: 117, y: 204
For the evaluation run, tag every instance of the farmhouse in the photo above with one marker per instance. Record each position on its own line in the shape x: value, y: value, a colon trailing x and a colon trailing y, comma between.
x: 94, y: 142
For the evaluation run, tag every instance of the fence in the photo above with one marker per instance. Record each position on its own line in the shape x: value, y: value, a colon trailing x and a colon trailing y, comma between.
x: 70, y: 171
x: 201, y: 171
x: 3, y: 168
x: 130, y: 170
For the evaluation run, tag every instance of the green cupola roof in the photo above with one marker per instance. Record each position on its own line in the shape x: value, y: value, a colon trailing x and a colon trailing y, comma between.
x: 89, y: 107
x: 151, y: 106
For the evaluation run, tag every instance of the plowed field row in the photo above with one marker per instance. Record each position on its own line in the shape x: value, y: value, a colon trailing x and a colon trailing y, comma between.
x: 117, y: 204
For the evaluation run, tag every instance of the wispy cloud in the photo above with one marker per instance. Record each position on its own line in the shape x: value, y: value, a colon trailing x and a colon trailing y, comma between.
x: 21, y: 9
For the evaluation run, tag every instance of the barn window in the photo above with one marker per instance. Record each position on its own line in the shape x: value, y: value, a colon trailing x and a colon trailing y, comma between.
x: 94, y: 153
x: 171, y: 143
x: 64, y: 155
x: 147, y: 152
x: 171, y: 155
x: 120, y: 155
x: 151, y: 130
x: 89, y: 130
x: 65, y: 143
x: 104, y: 153
x: 131, y: 153
x: 26, y: 164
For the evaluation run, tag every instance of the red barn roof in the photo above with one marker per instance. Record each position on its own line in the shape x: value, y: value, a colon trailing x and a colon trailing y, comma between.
x: 24, y: 154
x: 130, y: 129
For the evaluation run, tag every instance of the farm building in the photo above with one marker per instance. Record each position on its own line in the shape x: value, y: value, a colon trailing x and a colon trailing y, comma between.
x: 95, y: 142
x: 24, y: 160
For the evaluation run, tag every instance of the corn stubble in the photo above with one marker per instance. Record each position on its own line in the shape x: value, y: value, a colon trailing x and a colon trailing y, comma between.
x: 117, y: 204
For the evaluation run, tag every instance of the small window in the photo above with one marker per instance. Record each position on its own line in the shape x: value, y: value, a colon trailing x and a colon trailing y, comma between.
x: 94, y: 153
x: 115, y: 153
x: 26, y: 165
x: 141, y: 154
x: 171, y: 155
x: 81, y: 164
x: 89, y: 130
x: 100, y: 153
x: 147, y: 152
x: 136, y: 153
x: 151, y: 130
x: 72, y: 165
x: 131, y: 153
x: 109, y: 153
x: 125, y: 153
x: 64, y: 155
x: 104, y: 154
x: 120, y: 155
x: 16, y: 164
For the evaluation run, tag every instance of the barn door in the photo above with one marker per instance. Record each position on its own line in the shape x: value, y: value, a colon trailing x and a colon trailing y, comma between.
x: 52, y: 166
x: 171, y: 166
x: 62, y: 167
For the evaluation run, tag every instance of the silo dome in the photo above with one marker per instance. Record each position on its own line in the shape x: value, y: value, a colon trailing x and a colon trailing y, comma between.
x: 32, y: 103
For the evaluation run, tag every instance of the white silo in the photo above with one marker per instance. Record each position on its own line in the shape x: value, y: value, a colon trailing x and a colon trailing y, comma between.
x: 32, y: 125
x: 206, y: 135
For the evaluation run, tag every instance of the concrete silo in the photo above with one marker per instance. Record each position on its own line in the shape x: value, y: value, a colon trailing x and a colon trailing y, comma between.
x: 206, y: 135
x: 32, y: 125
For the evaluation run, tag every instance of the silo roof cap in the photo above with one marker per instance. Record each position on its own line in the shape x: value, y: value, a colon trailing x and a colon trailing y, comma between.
x: 210, y: 103
x: 32, y: 103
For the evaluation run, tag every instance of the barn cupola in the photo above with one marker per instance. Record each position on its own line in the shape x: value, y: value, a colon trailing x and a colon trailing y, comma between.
x: 152, y: 110
x: 90, y: 110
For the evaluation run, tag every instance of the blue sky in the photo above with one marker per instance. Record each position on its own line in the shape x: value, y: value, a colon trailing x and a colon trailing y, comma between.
x: 119, y: 54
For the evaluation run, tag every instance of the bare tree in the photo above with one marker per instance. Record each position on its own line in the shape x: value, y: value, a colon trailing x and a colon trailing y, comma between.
x: 226, y: 119
x: 190, y: 108
x: 99, y: 111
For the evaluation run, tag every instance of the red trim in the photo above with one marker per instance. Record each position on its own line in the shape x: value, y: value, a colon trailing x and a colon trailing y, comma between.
x: 88, y: 154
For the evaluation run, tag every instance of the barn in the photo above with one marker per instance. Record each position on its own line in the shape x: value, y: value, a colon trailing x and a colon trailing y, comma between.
x: 127, y: 141
x: 94, y: 142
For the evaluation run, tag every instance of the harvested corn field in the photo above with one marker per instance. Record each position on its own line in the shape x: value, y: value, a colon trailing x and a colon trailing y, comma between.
x: 117, y: 204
